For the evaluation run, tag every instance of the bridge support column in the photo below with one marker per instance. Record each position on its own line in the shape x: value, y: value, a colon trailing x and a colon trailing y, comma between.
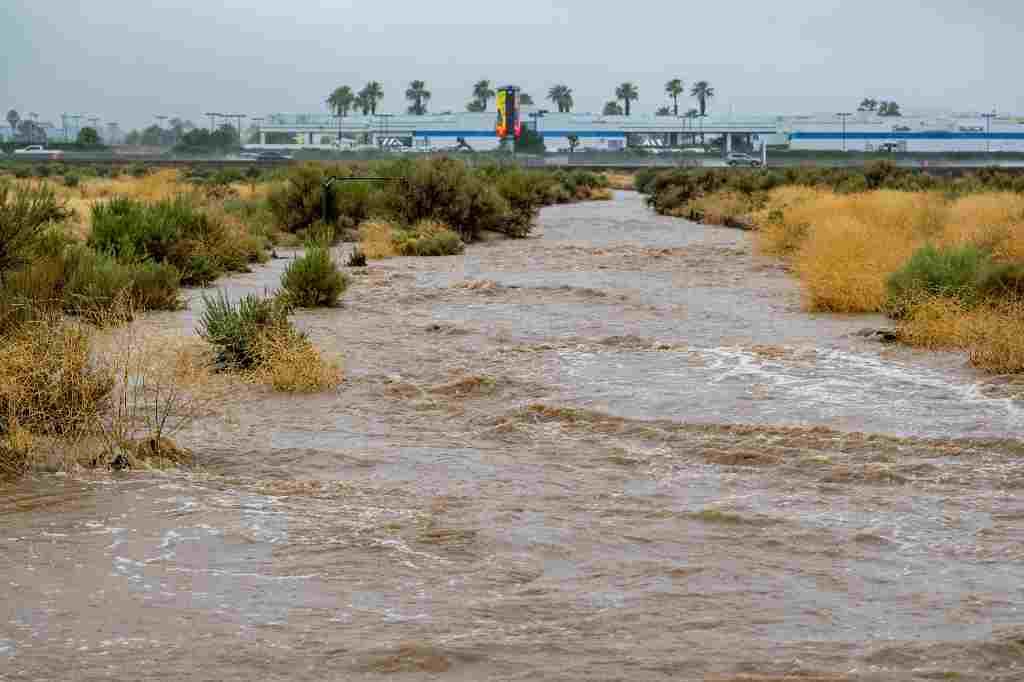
x: 728, y: 143
x: 263, y: 138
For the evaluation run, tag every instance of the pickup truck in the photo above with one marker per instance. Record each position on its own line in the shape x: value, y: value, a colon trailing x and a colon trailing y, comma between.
x: 39, y: 152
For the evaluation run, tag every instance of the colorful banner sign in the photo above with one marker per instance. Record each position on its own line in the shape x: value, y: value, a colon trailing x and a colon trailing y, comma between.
x: 508, y: 113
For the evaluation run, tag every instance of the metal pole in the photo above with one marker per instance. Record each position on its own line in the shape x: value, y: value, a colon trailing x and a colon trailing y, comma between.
x: 844, y: 115
x: 988, y: 131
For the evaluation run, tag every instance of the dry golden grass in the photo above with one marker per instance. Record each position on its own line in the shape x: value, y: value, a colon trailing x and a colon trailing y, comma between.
x: 623, y: 181
x: 377, y: 239
x: 993, y: 334
x: 845, y: 247
x: 994, y: 221
x: 289, y: 362
x: 721, y: 208
x: 844, y: 263
x: 50, y: 390
x: 601, y: 194
x: 163, y: 184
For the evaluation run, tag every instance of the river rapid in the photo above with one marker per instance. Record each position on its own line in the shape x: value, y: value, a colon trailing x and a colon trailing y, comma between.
x: 616, y: 450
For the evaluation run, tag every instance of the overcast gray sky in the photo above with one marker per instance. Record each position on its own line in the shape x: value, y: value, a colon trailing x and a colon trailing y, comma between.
x: 127, y: 60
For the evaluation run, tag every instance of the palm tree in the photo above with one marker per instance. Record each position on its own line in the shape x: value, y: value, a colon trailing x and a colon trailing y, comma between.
x: 703, y: 91
x: 868, y: 104
x: 372, y: 93
x: 418, y: 94
x: 483, y: 92
x: 12, y: 120
x: 361, y: 103
x: 627, y: 92
x: 341, y: 100
x: 663, y: 111
x: 525, y: 100
x: 561, y: 95
x: 475, y: 106
x: 612, y: 108
x: 674, y: 88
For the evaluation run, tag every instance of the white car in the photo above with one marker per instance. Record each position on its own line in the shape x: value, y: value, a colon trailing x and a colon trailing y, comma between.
x: 737, y: 159
x: 37, y: 151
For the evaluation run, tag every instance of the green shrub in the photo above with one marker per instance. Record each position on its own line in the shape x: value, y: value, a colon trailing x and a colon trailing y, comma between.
x: 234, y: 328
x: 173, y: 231
x: 947, y: 272
x: 313, y: 280
x: 25, y: 213
x: 71, y: 180
x: 155, y: 286
x: 43, y: 171
x: 22, y: 173
x: 137, y: 170
x: 297, y: 203
x: 96, y: 286
x: 445, y: 190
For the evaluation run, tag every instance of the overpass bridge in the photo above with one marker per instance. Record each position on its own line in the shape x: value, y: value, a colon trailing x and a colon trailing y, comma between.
x: 477, y: 129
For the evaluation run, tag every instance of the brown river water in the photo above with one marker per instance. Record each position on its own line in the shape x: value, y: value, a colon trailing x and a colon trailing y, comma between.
x: 617, y: 450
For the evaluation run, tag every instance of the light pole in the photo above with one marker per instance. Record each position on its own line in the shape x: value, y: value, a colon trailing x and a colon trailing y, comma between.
x: 844, y: 115
x: 212, y: 115
x: 258, y: 120
x: 988, y: 130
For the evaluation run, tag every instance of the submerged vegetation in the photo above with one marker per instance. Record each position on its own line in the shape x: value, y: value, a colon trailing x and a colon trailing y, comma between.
x: 944, y: 257
x: 89, y: 249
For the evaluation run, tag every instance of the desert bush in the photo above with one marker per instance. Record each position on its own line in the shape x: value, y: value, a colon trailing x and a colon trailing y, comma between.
x: 97, y: 287
x: 937, y: 272
x: 49, y: 383
x: 25, y: 213
x: 288, y: 361
x: 232, y: 329
x: 428, y: 238
x: 313, y: 279
x: 444, y: 190
x: 297, y: 203
x: 72, y: 180
x: 155, y: 286
x: 377, y: 239
x: 256, y: 336
x: 173, y: 231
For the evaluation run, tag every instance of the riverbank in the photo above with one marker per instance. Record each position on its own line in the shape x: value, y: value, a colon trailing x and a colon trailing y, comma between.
x: 940, y: 257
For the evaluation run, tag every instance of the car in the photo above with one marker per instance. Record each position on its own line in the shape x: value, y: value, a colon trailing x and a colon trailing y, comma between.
x: 270, y: 155
x: 38, y: 151
x: 737, y: 159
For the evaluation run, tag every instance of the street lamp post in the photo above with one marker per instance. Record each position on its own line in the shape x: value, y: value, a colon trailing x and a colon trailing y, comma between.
x: 844, y: 115
x: 212, y: 115
x: 988, y: 130
x: 258, y: 120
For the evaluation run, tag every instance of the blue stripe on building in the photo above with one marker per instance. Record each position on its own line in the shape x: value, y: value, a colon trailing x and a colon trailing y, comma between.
x: 928, y: 135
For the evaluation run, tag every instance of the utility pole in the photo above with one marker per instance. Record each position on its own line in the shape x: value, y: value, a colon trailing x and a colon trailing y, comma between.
x: 213, y: 115
x: 238, y: 119
x: 988, y: 130
x: 258, y: 120
x: 844, y: 115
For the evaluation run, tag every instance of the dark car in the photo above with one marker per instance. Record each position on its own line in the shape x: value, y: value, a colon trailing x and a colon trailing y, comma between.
x: 272, y: 156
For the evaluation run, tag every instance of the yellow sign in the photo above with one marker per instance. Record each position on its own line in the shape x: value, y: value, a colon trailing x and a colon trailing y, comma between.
x: 502, y: 104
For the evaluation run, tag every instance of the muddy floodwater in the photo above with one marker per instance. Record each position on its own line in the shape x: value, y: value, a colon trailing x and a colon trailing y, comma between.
x: 616, y: 450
